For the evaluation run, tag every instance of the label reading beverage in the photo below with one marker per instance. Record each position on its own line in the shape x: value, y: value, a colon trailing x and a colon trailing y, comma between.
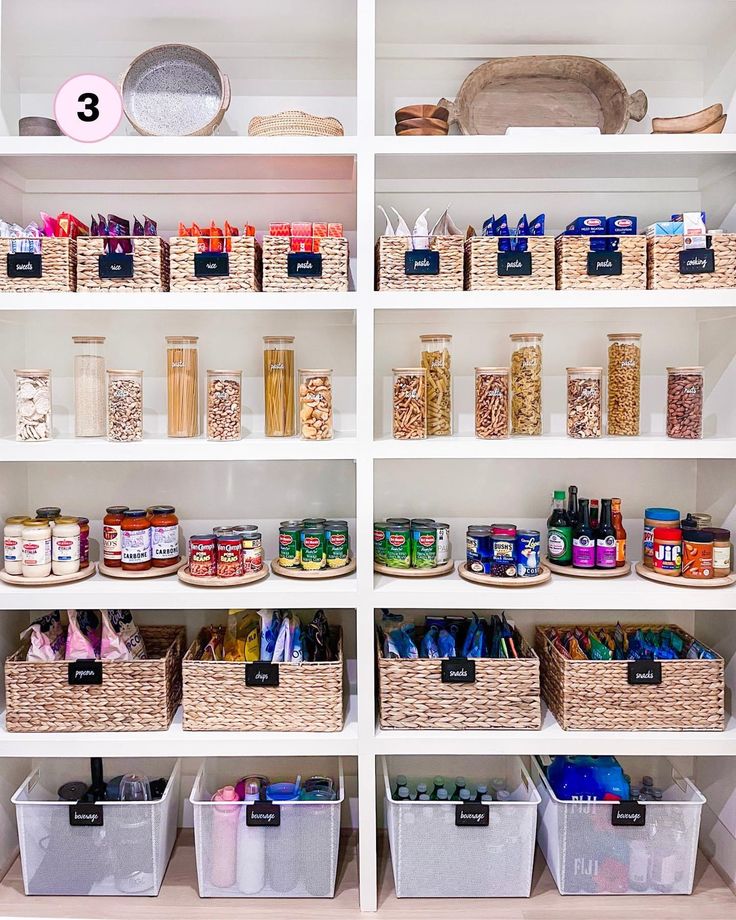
x: 263, y: 814
x: 514, y: 264
x: 645, y: 672
x: 304, y: 265
x: 211, y: 264
x: 472, y: 814
x: 136, y: 546
x: 112, y: 544
x: 629, y: 814
x: 85, y: 672
x: 84, y: 815
x: 458, y: 671
x: 116, y: 265
x: 421, y: 262
x: 697, y: 261
x: 261, y: 674
x: 165, y: 542
x: 604, y: 263
x: 24, y: 265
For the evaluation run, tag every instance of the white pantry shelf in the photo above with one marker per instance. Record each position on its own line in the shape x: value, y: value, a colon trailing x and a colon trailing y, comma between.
x: 125, y: 301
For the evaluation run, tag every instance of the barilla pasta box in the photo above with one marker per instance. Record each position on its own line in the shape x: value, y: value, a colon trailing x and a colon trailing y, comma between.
x: 586, y: 226
x: 621, y: 225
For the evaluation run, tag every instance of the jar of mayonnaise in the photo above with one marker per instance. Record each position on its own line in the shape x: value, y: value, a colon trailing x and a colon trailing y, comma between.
x: 65, y: 548
x: 36, y: 560
x: 13, y: 544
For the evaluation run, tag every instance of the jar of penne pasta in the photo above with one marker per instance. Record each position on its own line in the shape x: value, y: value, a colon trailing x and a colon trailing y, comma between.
x: 279, y: 385
x: 437, y: 364
x: 182, y: 382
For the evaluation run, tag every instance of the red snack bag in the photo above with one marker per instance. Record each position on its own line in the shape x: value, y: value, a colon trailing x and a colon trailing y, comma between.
x: 249, y: 230
x: 230, y: 232
x: 301, y: 228
x: 216, y: 238
x: 301, y: 244
x: 280, y: 229
x: 184, y: 230
x: 334, y: 230
x: 319, y: 231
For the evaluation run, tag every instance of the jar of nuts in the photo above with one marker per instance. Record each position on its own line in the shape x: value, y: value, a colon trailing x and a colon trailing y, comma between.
x: 33, y: 405
x: 315, y: 404
x: 491, y: 402
x: 409, y: 403
x: 125, y: 405
x: 684, y: 402
x: 584, y: 402
x: 436, y: 361
x: 526, y: 383
x: 624, y: 383
x: 224, y: 405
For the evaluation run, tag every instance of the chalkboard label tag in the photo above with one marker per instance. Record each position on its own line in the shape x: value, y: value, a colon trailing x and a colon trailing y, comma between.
x: 261, y: 674
x: 116, y: 265
x: 697, y: 261
x: 471, y: 814
x: 645, y: 672
x: 604, y: 263
x: 211, y: 264
x: 629, y: 814
x: 263, y: 814
x: 24, y: 265
x: 514, y: 264
x: 304, y: 264
x: 84, y: 815
x: 458, y: 671
x: 85, y: 672
x: 421, y: 262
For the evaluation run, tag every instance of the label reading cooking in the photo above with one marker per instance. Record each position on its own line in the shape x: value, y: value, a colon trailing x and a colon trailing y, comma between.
x: 697, y: 261
x: 514, y: 264
x: 211, y: 264
x: 472, y: 814
x: 165, y: 542
x: 421, y: 262
x: 24, y: 265
x: 261, y: 674
x: 629, y: 814
x: 84, y: 815
x: 604, y: 263
x: 645, y: 672
x: 116, y: 265
x: 458, y: 671
x: 84, y: 672
x: 136, y: 546
x: 263, y: 814
x: 304, y: 265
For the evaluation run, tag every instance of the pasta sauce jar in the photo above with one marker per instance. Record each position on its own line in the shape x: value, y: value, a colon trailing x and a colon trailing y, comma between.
x: 697, y: 554
x: 112, y: 545
x: 83, y: 542
x: 136, y: 541
x: 164, y: 536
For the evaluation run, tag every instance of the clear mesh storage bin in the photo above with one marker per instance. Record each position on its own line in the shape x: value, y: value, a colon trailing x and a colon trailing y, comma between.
x: 432, y: 858
x: 128, y: 855
x: 297, y: 859
x: 586, y: 854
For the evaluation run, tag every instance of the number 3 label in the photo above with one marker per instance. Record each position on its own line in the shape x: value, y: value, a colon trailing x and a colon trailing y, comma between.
x: 88, y: 108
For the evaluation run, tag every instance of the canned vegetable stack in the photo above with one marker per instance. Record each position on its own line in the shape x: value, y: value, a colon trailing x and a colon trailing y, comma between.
x: 503, y: 551
x: 313, y: 544
x: 411, y: 543
x: 226, y: 552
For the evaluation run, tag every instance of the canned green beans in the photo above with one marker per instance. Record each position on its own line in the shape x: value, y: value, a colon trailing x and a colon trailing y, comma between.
x: 398, y: 546
x: 424, y: 546
x: 379, y: 542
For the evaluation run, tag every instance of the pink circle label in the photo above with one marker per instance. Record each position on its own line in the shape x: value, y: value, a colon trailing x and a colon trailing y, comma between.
x: 88, y: 107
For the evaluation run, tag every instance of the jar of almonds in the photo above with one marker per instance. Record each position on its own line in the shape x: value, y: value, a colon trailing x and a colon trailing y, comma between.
x: 491, y: 402
x: 526, y: 383
x: 409, y: 403
x: 315, y: 404
x: 224, y: 405
x: 125, y: 405
x: 584, y: 402
x: 685, y: 402
x: 436, y: 361
x: 624, y: 383
x: 33, y: 405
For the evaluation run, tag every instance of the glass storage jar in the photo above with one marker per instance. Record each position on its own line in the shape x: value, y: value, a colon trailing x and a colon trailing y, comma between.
x: 315, y: 404
x: 224, y: 405
x: 624, y: 383
x: 36, y: 550
x: 526, y: 383
x: 136, y: 552
x: 492, y: 402
x: 584, y: 402
x: 89, y: 386
x: 409, y: 403
x: 685, y: 402
x: 66, y: 547
x: 164, y: 536
x: 112, y: 543
x: 125, y: 405
x: 278, y: 385
x: 437, y: 363
x: 32, y: 405
x: 13, y: 544
x: 83, y: 541
x: 182, y: 385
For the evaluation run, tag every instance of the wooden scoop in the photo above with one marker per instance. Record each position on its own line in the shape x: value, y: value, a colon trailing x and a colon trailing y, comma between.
x: 688, y: 124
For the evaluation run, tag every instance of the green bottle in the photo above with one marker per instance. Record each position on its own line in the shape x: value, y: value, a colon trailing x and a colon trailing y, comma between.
x: 559, y: 532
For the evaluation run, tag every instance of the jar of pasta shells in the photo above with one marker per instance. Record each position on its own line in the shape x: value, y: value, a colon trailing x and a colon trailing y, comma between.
x: 409, y: 403
x: 224, y: 405
x: 491, y: 402
x: 124, y: 405
x: 278, y: 385
x: 436, y: 361
x: 526, y: 383
x: 624, y: 383
x: 315, y: 404
x: 584, y: 402
x: 33, y: 405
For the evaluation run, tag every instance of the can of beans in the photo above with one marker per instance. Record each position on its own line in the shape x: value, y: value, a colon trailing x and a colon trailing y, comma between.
x: 313, y: 547
x: 290, y: 534
x: 398, y: 546
x: 203, y: 555
x: 252, y: 552
x: 503, y: 550
x: 337, y: 544
x: 398, y: 522
x: 379, y: 542
x: 528, y: 544
x: 229, y: 556
x: 478, y: 549
x: 443, y: 543
x: 424, y: 546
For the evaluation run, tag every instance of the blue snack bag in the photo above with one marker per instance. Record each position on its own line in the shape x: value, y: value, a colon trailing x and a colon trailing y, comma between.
x: 479, y: 645
x: 501, y: 229
x: 446, y: 644
x: 430, y: 647
x: 536, y: 226
x: 488, y: 225
x: 521, y: 244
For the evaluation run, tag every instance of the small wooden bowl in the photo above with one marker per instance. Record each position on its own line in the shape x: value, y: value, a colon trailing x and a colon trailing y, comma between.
x: 688, y: 124
x: 422, y: 111
x: 434, y: 123
x: 421, y: 132
x: 715, y: 128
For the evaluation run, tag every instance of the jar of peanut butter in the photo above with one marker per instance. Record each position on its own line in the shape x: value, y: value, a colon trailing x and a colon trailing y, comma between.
x: 697, y: 554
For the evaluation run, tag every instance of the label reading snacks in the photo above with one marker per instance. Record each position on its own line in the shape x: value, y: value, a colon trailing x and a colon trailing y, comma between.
x: 458, y: 671
x: 116, y: 265
x: 24, y: 265
x: 472, y: 814
x: 645, y: 672
x: 263, y: 814
x: 211, y: 264
x: 604, y: 263
x: 261, y: 674
x: 84, y: 672
x: 84, y: 815
x: 304, y: 265
x: 629, y: 814
x: 514, y: 264
x: 697, y: 261
x: 421, y: 262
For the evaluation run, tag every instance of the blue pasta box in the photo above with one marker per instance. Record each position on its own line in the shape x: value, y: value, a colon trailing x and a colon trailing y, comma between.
x: 621, y: 225
x: 586, y: 226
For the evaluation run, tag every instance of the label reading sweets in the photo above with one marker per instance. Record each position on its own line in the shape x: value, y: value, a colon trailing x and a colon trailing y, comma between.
x: 421, y: 262
x: 24, y: 265
x: 514, y: 263
x: 261, y: 674
x: 211, y: 264
x: 458, y: 671
x: 697, y: 261
x: 84, y: 672
x: 117, y: 265
x: 304, y: 265
x: 604, y: 263
x: 645, y: 672
x: 84, y: 815
x: 471, y: 814
x: 263, y: 814
x: 629, y: 814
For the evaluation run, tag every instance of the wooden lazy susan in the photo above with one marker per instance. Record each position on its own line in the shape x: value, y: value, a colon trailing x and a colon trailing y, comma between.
x: 212, y: 581
x: 115, y: 572
x: 677, y: 581
x: 588, y: 573
x: 444, y: 569
x: 30, y: 582
x: 315, y: 574
x: 494, y: 581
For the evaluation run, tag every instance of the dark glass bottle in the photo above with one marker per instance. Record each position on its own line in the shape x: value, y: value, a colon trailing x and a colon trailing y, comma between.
x: 583, y: 541
x: 605, y: 539
x: 573, y: 512
x: 594, y: 509
x: 559, y: 532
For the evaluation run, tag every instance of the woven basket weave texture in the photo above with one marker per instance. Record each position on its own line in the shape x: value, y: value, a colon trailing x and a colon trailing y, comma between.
x: 150, y: 265
x: 663, y: 264
x: 58, y: 267
x: 572, y: 265
x: 245, y: 266
x: 481, y: 266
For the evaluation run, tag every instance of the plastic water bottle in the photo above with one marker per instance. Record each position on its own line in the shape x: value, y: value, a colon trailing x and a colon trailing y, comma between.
x: 251, y: 874
x: 224, y: 835
x: 480, y: 790
x: 401, y: 780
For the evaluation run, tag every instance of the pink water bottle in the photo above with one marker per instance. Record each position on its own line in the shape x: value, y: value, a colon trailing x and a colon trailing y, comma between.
x: 224, y: 837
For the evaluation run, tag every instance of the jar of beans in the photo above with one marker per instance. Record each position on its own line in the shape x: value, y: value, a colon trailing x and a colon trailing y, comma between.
x: 491, y: 402
x: 224, y: 405
x: 437, y: 363
x: 685, y: 402
x: 409, y: 403
x: 584, y: 402
x: 526, y: 383
x: 624, y: 383
x: 125, y: 405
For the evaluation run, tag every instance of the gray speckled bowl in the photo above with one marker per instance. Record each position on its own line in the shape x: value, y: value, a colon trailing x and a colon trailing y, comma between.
x: 175, y: 90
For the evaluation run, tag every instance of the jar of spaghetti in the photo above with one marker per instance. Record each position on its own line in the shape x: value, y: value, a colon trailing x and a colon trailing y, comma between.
x: 112, y: 546
x: 164, y: 536
x: 203, y: 556
x: 667, y: 550
x: 279, y: 385
x: 697, y: 554
x: 721, y: 551
x: 182, y: 383
x: 229, y: 556
x: 83, y: 542
x: 136, y: 541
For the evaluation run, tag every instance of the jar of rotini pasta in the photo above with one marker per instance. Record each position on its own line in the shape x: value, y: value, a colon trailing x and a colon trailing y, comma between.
x: 279, y: 385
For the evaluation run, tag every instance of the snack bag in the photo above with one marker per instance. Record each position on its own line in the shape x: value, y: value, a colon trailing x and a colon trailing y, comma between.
x: 242, y: 636
x: 121, y: 639
x: 48, y: 638
x: 83, y: 635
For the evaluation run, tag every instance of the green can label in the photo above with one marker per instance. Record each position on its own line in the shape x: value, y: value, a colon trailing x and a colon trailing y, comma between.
x: 379, y: 544
x: 289, y: 555
x: 336, y: 547
x: 424, y: 548
x: 313, y: 550
x: 398, y: 548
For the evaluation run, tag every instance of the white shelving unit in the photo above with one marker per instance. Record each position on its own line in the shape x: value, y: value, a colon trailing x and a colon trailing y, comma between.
x: 360, y: 60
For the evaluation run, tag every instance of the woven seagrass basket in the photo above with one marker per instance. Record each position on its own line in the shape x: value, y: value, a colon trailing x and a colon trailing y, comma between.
x: 308, y: 698
x: 150, y: 265
x: 140, y: 695
x: 572, y: 265
x: 482, y: 266
x: 245, y: 266
x: 294, y: 124
x: 663, y: 263
x: 334, y: 252
x: 596, y: 695
x: 58, y: 267
x: 391, y: 272
x: 505, y: 694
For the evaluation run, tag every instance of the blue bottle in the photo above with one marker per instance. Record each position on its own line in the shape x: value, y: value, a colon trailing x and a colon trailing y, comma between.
x: 588, y: 778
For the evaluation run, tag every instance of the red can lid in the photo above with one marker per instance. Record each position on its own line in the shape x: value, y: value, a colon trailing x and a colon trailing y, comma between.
x: 503, y: 530
x: 667, y: 533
